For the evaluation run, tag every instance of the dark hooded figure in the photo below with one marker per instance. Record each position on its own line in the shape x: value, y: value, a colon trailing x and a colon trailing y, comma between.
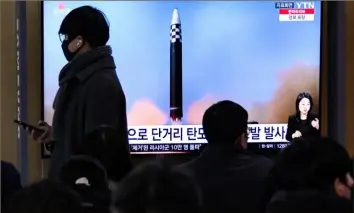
x: 312, y: 175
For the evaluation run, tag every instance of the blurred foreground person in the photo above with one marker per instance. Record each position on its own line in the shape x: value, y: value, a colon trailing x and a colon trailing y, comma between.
x: 232, y: 180
x: 90, y: 94
x: 158, y: 188
x: 10, y: 183
x: 312, y: 175
x: 88, y: 178
x: 46, y: 197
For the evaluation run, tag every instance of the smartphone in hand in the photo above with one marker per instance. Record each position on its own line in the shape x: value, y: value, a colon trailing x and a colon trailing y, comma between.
x: 28, y: 126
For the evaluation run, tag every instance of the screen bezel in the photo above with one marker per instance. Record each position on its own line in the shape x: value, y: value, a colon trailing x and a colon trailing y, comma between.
x: 268, y: 152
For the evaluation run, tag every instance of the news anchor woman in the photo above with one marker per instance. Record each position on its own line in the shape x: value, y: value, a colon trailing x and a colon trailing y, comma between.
x: 303, y: 123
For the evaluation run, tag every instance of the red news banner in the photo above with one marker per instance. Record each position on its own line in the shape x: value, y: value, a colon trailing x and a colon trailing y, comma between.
x: 297, y: 11
x: 296, y: 14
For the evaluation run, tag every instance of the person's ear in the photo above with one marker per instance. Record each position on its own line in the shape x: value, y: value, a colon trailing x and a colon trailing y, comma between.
x: 243, y: 140
x: 76, y: 44
x: 79, y: 42
x: 343, y: 189
x: 339, y: 187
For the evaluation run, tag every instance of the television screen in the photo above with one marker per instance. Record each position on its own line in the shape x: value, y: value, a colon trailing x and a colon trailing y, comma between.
x: 258, y: 54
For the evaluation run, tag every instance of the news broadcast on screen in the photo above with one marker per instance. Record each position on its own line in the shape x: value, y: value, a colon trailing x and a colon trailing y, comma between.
x: 173, y: 68
x: 296, y: 11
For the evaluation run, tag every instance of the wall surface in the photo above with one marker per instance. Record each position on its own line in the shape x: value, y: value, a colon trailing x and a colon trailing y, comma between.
x: 349, y: 76
x: 8, y: 90
x: 8, y: 131
x: 324, y: 72
x: 338, y: 75
x: 8, y: 87
x: 34, y: 40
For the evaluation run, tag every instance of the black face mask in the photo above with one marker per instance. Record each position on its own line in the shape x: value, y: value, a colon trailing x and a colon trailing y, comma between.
x: 65, y: 46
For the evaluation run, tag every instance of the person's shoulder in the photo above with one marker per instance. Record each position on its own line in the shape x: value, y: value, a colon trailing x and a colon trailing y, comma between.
x: 188, y: 166
x: 292, y: 117
x: 263, y: 160
x: 263, y: 163
x: 255, y: 163
x: 104, y: 81
x: 105, y: 78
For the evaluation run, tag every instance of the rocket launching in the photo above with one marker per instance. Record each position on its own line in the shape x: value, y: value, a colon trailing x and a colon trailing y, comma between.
x: 176, y: 111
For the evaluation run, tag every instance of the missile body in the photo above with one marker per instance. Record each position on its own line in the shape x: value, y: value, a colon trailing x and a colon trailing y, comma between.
x: 176, y: 111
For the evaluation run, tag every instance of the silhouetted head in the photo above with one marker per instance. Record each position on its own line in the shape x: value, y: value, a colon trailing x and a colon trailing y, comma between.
x: 83, y: 29
x: 88, y: 178
x: 46, y: 196
x: 10, y: 182
x: 159, y: 188
x: 314, y: 163
x: 304, y: 103
x: 86, y: 169
x: 226, y: 123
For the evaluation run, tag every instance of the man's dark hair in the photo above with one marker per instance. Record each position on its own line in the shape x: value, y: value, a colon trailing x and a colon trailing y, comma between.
x: 311, y: 163
x: 224, y: 122
x: 10, y: 182
x: 88, y: 22
x: 46, y: 196
x: 95, y: 194
x: 84, y: 167
x: 157, y: 187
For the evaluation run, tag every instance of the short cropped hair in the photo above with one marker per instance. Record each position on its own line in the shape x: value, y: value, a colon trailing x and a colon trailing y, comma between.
x: 84, y: 167
x: 311, y: 163
x: 10, y: 182
x: 46, y: 196
x: 88, y: 22
x: 224, y: 122
x: 157, y: 187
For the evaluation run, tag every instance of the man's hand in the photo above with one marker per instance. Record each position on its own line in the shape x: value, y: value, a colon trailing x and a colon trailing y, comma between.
x: 41, y: 136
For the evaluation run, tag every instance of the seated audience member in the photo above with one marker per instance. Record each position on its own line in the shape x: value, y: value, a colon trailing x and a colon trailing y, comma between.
x: 231, y: 179
x: 312, y: 175
x: 158, y: 188
x: 89, y: 179
x: 10, y: 182
x: 45, y: 197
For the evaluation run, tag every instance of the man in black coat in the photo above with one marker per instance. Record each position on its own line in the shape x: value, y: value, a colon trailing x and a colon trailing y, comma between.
x: 232, y: 180
x: 312, y: 175
x: 90, y: 96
